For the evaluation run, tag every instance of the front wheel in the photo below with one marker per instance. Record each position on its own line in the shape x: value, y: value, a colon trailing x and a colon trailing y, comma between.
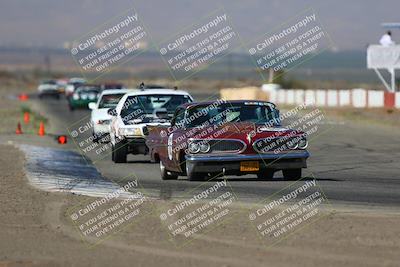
x: 95, y: 138
x: 112, y: 153
x: 193, y: 176
x: 292, y: 174
x: 120, y: 152
x: 166, y: 175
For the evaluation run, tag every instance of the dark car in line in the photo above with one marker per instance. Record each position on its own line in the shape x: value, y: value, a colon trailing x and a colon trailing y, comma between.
x: 230, y: 137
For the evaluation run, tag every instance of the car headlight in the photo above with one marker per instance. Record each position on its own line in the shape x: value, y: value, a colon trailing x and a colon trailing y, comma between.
x: 292, y: 143
x: 75, y: 96
x: 130, y: 132
x: 92, y: 96
x: 204, y: 147
x: 193, y: 148
x: 303, y: 143
x: 196, y: 146
x: 84, y: 97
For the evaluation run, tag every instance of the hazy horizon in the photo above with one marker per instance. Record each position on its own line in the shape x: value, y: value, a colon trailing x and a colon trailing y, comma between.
x: 351, y: 25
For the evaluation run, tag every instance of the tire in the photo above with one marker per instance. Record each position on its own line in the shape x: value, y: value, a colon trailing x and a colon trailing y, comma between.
x: 291, y: 174
x: 95, y: 138
x: 120, y: 152
x: 112, y: 153
x: 154, y: 158
x: 193, y: 176
x: 266, y: 175
x: 165, y: 175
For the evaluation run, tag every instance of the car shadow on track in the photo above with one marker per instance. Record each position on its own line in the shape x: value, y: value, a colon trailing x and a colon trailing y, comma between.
x: 278, y: 179
x: 139, y: 161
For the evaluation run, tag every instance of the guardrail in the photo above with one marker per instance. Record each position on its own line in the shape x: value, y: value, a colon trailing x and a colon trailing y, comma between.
x: 358, y: 97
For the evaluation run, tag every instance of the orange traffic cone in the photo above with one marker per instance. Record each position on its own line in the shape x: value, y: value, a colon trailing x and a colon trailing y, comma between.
x: 19, y: 129
x: 41, y: 129
x: 23, y: 97
x: 26, y: 117
x: 62, y: 139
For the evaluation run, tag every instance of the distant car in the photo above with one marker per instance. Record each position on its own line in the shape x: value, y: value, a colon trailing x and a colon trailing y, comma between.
x: 49, y: 88
x: 99, y: 117
x: 83, y: 95
x: 135, y: 112
x: 77, y: 80
x: 62, y: 83
x: 232, y: 138
x: 72, y: 85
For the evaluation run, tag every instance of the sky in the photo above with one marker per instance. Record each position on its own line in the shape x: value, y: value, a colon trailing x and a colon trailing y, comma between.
x: 352, y: 24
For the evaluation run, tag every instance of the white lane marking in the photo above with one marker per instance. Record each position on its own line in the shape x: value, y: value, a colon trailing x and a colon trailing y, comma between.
x: 58, y: 170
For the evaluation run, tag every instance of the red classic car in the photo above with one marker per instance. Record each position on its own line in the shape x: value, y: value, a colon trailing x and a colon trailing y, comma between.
x: 227, y: 138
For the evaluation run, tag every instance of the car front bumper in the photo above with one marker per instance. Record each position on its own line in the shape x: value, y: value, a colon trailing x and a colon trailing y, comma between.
x: 230, y: 164
x: 49, y: 92
x: 101, y: 128
x: 136, y: 145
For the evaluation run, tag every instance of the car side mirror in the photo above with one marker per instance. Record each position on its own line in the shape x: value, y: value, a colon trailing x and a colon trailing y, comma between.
x: 112, y: 112
x: 92, y: 105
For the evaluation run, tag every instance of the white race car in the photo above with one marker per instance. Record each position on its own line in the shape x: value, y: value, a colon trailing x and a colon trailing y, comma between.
x: 99, y: 117
x: 137, y: 110
x: 49, y: 88
x: 72, y: 84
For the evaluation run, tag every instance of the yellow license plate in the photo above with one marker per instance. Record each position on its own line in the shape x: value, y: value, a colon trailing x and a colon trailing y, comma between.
x: 249, y: 166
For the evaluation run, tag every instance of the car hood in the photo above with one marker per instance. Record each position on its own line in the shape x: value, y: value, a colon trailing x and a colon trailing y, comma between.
x: 242, y: 130
x: 43, y: 87
x: 148, y: 119
x: 101, y: 114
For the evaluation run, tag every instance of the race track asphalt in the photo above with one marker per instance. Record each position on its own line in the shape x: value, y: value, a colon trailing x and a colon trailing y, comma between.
x: 354, y: 163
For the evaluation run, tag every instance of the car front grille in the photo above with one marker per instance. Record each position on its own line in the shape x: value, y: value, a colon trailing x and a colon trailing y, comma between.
x: 267, y: 145
x: 226, y: 146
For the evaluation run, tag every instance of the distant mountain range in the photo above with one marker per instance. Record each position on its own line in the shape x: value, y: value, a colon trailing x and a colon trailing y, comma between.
x: 351, y: 24
x: 343, y: 65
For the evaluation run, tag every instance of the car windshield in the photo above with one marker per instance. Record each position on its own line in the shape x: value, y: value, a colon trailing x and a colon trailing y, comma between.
x: 51, y: 82
x: 87, y: 90
x: 149, y: 104
x: 255, y: 112
x: 110, y: 101
x: 76, y: 85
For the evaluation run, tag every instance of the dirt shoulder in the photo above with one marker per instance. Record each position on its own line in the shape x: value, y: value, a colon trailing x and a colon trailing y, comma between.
x: 35, y: 231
